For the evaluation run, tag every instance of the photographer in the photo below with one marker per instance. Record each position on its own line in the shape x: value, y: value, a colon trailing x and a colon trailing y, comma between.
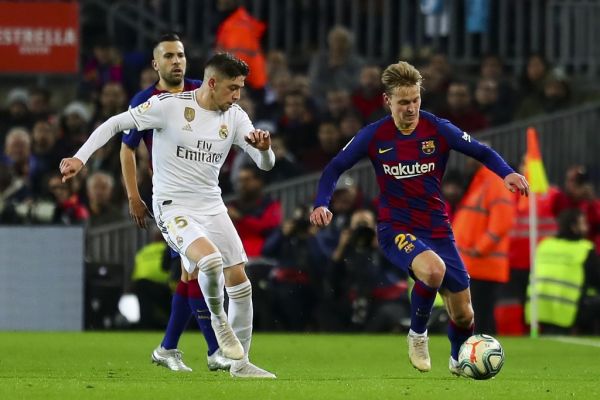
x: 297, y: 265
x: 370, y: 293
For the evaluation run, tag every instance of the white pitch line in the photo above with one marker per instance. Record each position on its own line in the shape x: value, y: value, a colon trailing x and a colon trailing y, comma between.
x: 572, y: 340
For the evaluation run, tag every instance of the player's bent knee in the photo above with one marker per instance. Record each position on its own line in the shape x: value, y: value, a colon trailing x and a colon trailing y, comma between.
x: 430, y: 269
x: 211, y: 264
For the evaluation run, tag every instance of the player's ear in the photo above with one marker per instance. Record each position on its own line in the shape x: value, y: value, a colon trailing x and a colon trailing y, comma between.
x: 212, y: 82
x: 386, y: 98
x: 154, y: 65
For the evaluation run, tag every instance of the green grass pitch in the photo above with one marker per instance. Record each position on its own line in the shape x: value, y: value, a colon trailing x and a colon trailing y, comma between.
x: 117, y: 366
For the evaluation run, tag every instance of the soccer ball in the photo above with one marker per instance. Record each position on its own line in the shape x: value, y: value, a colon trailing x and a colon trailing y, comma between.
x: 480, y: 357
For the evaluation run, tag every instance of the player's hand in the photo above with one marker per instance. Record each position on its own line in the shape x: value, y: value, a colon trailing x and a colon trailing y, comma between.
x: 259, y: 139
x: 69, y: 167
x: 320, y: 216
x: 514, y: 182
x: 138, y: 212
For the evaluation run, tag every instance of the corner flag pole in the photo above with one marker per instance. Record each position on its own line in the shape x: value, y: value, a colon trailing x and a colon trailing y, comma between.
x: 533, y: 239
x: 539, y: 185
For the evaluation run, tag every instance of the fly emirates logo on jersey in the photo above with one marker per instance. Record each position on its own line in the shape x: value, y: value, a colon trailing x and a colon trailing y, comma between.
x: 203, y: 153
x: 408, y: 170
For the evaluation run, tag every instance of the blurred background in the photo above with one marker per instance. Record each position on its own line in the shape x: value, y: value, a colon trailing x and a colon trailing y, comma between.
x: 68, y: 252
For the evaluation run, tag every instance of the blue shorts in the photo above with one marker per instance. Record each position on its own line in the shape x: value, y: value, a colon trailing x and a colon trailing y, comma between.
x: 401, y: 248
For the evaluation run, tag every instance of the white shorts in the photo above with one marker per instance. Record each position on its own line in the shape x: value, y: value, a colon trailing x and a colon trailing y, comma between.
x: 180, y: 227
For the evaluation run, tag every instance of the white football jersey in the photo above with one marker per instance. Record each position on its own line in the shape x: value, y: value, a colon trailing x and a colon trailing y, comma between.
x: 189, y: 146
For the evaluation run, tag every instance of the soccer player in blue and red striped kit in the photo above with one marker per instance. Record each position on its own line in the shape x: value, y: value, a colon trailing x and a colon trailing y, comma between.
x: 170, y: 63
x: 409, y: 150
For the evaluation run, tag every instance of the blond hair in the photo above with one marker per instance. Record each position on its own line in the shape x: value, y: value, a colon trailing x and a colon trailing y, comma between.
x: 400, y: 74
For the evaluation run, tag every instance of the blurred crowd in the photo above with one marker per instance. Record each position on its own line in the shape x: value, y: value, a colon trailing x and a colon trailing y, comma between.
x: 333, y: 278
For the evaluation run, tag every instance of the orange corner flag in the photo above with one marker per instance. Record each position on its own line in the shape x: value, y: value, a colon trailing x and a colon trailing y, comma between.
x: 534, y: 167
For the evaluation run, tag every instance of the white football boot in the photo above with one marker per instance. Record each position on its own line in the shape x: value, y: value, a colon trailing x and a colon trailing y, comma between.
x: 453, y: 367
x: 245, y: 369
x: 216, y: 361
x: 418, y: 352
x: 171, y: 359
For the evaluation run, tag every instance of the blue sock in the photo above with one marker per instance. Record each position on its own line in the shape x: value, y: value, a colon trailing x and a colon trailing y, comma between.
x: 457, y: 336
x: 202, y: 315
x: 421, y: 303
x: 180, y: 315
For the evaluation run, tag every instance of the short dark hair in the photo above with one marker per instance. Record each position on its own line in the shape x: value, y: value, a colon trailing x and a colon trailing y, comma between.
x: 166, y: 37
x: 566, y: 219
x: 228, y: 65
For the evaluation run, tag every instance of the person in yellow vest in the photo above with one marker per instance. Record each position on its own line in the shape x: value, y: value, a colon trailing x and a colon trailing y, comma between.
x: 481, y: 225
x: 150, y: 283
x: 566, y: 267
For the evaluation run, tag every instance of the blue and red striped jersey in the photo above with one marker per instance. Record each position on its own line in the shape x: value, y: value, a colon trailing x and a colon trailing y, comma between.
x: 409, y: 170
x: 133, y: 137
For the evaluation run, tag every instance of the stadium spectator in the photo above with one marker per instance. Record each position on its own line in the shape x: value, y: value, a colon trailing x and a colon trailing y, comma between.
x: 350, y: 123
x: 481, y: 225
x: 461, y: 110
x: 46, y: 153
x: 492, y: 67
x: 296, y: 276
x: 104, y: 66
x: 533, y: 77
x: 578, y: 192
x: 487, y: 100
x: 254, y: 214
x: 298, y: 126
x: 102, y: 208
x: 69, y: 209
x: 337, y: 68
x: 112, y: 100
x: 556, y: 95
x: 74, y: 125
x: 16, y: 113
x: 17, y: 153
x: 39, y: 103
x: 328, y: 145
x: 367, y: 98
x: 566, y: 267
x: 339, y: 102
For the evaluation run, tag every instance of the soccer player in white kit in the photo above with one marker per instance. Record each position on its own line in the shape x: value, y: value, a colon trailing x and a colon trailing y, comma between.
x: 193, y: 133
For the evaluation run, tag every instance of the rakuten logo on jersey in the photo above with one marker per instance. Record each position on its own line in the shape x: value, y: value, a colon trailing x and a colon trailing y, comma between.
x: 403, y: 171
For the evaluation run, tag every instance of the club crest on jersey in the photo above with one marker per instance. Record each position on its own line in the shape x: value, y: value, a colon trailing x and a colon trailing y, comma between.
x: 428, y: 147
x: 142, y: 108
x: 189, y: 114
x: 223, y: 132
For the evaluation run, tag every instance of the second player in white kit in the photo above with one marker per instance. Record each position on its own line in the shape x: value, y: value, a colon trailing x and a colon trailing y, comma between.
x: 193, y: 133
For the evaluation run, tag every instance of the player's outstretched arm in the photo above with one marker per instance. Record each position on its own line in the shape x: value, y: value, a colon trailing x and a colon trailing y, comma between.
x: 137, y: 207
x: 321, y: 216
x: 515, y: 181
x: 69, y: 167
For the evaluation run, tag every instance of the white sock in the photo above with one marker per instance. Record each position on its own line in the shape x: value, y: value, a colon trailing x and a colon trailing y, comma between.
x: 413, y: 333
x: 241, y: 313
x: 211, y: 282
